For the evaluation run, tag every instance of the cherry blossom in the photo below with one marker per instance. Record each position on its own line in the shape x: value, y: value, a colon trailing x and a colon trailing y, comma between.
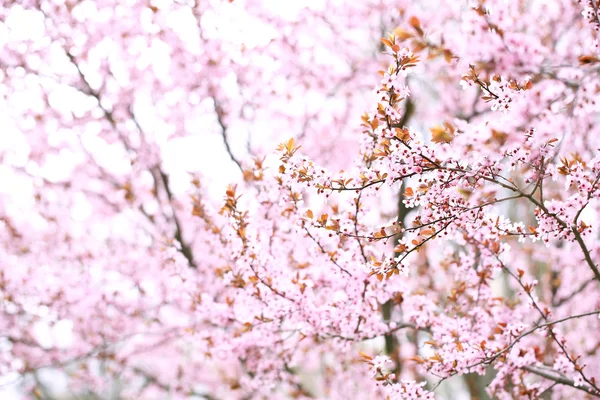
x: 335, y: 199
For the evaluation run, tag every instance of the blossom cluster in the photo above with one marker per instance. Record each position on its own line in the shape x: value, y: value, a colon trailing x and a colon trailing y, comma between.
x: 154, y: 241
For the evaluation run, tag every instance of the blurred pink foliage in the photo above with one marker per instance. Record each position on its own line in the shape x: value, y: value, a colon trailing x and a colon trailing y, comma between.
x: 452, y: 236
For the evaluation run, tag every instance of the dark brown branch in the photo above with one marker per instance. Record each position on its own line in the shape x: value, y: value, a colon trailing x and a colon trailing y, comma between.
x: 574, y: 229
x: 185, y: 248
x: 314, y: 239
x: 580, y: 289
x: 220, y: 119
x: 391, y: 341
x: 488, y: 360
x: 157, y: 173
x: 562, y: 380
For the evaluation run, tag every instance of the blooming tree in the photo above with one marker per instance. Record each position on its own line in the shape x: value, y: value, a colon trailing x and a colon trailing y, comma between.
x: 157, y: 243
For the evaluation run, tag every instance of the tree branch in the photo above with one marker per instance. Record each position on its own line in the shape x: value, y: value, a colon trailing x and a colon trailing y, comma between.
x: 562, y: 380
x: 220, y: 119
